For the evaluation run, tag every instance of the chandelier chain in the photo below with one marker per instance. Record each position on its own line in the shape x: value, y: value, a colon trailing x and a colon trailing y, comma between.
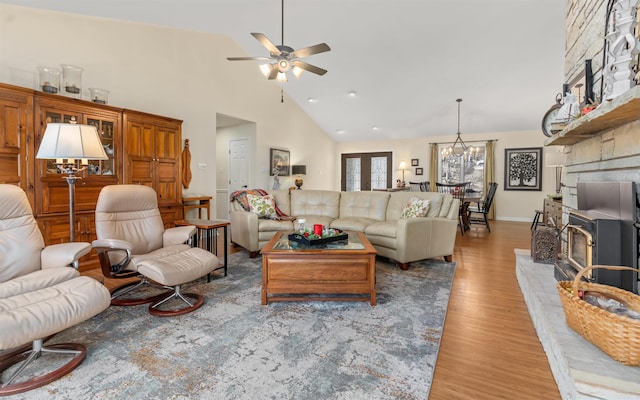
x: 459, y: 147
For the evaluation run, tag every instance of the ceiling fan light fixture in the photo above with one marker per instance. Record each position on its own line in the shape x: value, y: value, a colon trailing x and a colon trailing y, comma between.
x: 284, y: 58
x: 297, y: 71
x: 283, y: 65
x: 266, y: 69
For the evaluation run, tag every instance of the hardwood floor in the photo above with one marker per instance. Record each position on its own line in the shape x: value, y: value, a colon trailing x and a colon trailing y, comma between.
x: 489, y: 349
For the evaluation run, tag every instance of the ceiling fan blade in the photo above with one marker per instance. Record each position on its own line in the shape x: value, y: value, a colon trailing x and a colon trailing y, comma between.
x: 266, y: 43
x: 311, y: 50
x: 308, y: 67
x: 247, y: 58
x: 274, y: 72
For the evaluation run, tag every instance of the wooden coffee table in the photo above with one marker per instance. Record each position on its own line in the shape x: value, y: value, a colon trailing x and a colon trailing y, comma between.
x: 341, y: 271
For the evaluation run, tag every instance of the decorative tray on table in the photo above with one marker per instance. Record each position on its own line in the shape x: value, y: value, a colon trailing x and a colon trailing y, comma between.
x: 311, y: 239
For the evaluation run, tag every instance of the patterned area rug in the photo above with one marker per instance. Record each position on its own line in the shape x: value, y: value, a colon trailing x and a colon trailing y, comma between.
x: 235, y: 348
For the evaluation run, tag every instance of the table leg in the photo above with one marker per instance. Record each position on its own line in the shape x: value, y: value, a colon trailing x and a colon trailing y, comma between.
x: 212, y: 244
x: 465, y: 216
x: 195, y: 239
x: 225, y: 246
x: 210, y: 234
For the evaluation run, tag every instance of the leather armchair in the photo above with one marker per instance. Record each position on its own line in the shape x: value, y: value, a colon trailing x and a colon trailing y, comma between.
x: 40, y: 294
x: 132, y: 242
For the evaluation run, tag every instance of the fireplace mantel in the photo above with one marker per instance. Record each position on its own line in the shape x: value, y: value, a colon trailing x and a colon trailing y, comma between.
x: 617, y: 112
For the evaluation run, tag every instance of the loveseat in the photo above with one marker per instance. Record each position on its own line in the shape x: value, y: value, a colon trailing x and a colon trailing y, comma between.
x: 377, y: 214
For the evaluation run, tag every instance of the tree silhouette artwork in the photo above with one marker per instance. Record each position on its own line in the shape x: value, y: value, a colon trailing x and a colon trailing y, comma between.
x: 522, y: 170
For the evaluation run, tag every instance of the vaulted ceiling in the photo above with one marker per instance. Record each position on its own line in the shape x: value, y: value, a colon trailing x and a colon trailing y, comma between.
x: 407, y: 61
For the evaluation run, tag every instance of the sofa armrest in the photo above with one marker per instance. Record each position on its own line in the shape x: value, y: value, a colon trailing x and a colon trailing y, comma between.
x: 63, y: 254
x: 244, y: 229
x: 422, y: 238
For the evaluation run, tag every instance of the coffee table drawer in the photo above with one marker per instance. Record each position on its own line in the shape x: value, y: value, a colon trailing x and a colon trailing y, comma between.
x: 327, y: 270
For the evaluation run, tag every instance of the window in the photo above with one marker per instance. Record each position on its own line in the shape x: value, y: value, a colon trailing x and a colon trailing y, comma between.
x: 464, y: 168
x: 366, y: 171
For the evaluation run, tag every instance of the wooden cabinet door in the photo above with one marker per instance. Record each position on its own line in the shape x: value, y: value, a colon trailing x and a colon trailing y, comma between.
x: 167, y: 150
x: 139, y: 153
x: 16, y: 138
x: 152, y: 154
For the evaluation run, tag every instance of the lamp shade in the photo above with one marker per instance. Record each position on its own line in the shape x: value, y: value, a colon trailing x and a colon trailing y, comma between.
x: 554, y: 158
x: 71, y: 141
x: 299, y: 169
x: 403, y: 165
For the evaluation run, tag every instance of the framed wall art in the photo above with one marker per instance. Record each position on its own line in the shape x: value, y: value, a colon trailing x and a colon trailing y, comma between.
x: 279, y: 160
x: 419, y: 171
x: 523, y: 169
x: 415, y: 162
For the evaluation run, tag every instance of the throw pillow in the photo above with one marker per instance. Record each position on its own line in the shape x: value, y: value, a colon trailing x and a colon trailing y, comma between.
x: 415, y: 208
x: 263, y: 206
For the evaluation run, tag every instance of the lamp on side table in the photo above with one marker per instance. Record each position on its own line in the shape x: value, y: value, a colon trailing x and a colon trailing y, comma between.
x: 300, y: 171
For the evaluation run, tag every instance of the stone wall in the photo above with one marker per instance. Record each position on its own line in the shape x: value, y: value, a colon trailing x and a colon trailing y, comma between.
x: 584, y: 39
x: 612, y: 154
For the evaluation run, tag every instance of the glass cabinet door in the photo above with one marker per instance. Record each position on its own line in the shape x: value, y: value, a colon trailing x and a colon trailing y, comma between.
x: 57, y: 117
x: 106, y: 131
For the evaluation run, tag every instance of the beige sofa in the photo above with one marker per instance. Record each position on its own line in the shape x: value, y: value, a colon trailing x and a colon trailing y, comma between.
x: 377, y: 214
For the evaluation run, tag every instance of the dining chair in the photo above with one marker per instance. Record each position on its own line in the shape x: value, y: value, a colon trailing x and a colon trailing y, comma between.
x: 457, y: 191
x: 482, y: 208
x: 419, y: 186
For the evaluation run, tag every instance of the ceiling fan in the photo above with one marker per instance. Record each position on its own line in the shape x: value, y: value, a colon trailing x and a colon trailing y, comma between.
x: 284, y: 58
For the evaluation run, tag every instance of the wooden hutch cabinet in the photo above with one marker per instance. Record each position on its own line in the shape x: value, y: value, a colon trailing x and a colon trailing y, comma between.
x: 142, y: 149
x: 16, y: 138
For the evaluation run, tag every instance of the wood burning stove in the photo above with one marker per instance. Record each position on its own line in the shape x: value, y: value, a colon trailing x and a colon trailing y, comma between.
x: 602, y: 231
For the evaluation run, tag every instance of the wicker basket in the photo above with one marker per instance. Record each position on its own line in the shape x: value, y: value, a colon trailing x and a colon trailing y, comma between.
x: 616, y: 335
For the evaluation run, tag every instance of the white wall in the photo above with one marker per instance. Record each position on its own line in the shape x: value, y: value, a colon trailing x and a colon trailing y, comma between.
x: 185, y: 75
x: 510, y: 204
x: 171, y: 72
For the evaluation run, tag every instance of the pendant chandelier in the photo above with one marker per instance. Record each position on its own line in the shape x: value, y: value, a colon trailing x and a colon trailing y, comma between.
x: 458, y: 148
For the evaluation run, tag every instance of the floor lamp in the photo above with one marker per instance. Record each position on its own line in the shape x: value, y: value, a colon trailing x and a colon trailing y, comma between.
x: 555, y: 158
x: 72, y: 145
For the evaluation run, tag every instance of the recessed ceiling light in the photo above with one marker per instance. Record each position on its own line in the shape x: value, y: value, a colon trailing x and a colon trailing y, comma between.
x: 352, y: 93
x: 340, y: 131
x: 375, y: 128
x: 312, y: 100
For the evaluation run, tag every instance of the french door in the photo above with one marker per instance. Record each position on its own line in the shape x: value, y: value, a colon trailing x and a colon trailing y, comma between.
x: 365, y: 171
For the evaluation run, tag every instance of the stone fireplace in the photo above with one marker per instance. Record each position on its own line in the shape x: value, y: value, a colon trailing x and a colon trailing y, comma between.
x: 603, y: 145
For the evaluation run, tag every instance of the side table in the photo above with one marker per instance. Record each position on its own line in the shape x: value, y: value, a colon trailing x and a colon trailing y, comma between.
x: 206, y: 237
x: 197, y: 202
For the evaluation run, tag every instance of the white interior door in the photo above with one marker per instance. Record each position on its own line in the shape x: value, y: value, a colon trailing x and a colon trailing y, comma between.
x: 239, y: 164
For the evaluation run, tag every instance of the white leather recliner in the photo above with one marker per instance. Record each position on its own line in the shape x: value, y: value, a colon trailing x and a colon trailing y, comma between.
x: 132, y: 241
x: 40, y: 294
